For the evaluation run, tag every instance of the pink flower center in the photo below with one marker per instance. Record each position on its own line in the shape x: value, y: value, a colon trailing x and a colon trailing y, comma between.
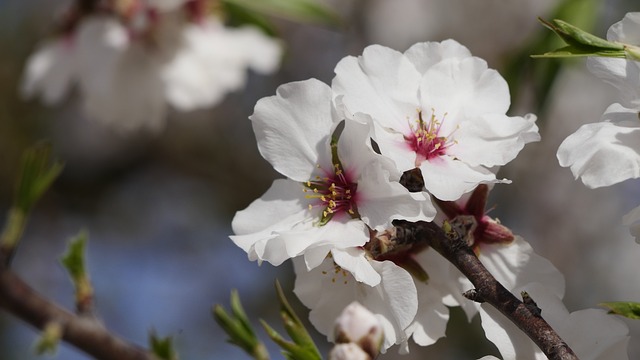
x: 425, y: 138
x: 335, y: 194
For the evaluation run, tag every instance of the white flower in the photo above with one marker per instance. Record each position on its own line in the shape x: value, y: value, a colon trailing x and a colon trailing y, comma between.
x: 606, y: 153
x: 160, y: 52
x: 437, y: 108
x: 592, y: 334
x: 329, y: 288
x: 332, y: 196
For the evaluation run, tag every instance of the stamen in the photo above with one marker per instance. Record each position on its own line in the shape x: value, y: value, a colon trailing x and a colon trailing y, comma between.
x: 426, y: 139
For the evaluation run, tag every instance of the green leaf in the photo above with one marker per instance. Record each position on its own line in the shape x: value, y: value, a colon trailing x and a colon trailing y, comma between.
x: 162, y: 347
x: 307, y: 11
x: 630, y: 310
x: 36, y: 176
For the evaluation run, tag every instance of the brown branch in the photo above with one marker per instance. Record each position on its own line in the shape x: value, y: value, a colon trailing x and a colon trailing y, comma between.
x: 84, y: 332
x: 487, y: 289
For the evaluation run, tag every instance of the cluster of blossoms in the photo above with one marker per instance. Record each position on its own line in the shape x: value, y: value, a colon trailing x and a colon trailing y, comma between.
x: 129, y: 58
x: 608, y: 152
x: 434, y: 119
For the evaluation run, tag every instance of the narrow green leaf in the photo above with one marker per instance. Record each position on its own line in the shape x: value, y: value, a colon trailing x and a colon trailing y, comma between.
x: 630, y: 310
x: 307, y: 11
x: 290, y: 350
x: 239, y: 329
x: 579, y: 36
x: 294, y: 326
x: 162, y: 347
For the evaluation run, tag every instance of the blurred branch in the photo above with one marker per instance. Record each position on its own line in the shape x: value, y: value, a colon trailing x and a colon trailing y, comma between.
x: 525, y: 315
x: 87, y: 334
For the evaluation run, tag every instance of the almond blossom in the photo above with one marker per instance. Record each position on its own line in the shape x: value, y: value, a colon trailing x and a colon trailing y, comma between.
x: 132, y: 59
x: 335, y: 193
x: 436, y: 108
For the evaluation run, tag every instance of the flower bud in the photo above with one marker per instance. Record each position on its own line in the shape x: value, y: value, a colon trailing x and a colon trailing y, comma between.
x: 358, y: 325
x: 349, y: 351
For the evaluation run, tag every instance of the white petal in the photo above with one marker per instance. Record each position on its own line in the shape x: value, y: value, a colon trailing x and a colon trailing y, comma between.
x: 493, y: 139
x: 426, y: 54
x: 394, y: 146
x: 382, y: 83
x: 293, y: 128
x: 447, y: 178
x: 200, y: 74
x: 463, y: 88
x: 335, y: 234
x: 632, y: 220
x: 431, y: 320
x: 133, y: 97
x: 262, y: 53
x: 516, y: 264
x: 354, y: 261
x: 326, y: 290
x: 604, y: 153
x: 620, y: 73
x: 49, y: 71
x: 626, y: 30
x: 283, y: 198
x: 380, y: 201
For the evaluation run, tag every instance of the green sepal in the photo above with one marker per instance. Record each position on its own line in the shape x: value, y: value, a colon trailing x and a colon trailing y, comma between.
x: 306, y: 11
x: 627, y: 309
x: 162, y: 348
x: 580, y: 43
x: 239, y: 329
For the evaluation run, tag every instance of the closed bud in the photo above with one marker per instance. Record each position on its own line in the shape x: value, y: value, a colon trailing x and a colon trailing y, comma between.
x: 359, y: 326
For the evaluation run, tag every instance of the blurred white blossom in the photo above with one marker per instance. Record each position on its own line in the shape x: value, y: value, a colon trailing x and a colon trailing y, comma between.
x: 130, y: 62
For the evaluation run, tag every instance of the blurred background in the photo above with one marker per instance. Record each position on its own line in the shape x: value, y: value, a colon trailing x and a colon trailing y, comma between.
x: 158, y: 207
